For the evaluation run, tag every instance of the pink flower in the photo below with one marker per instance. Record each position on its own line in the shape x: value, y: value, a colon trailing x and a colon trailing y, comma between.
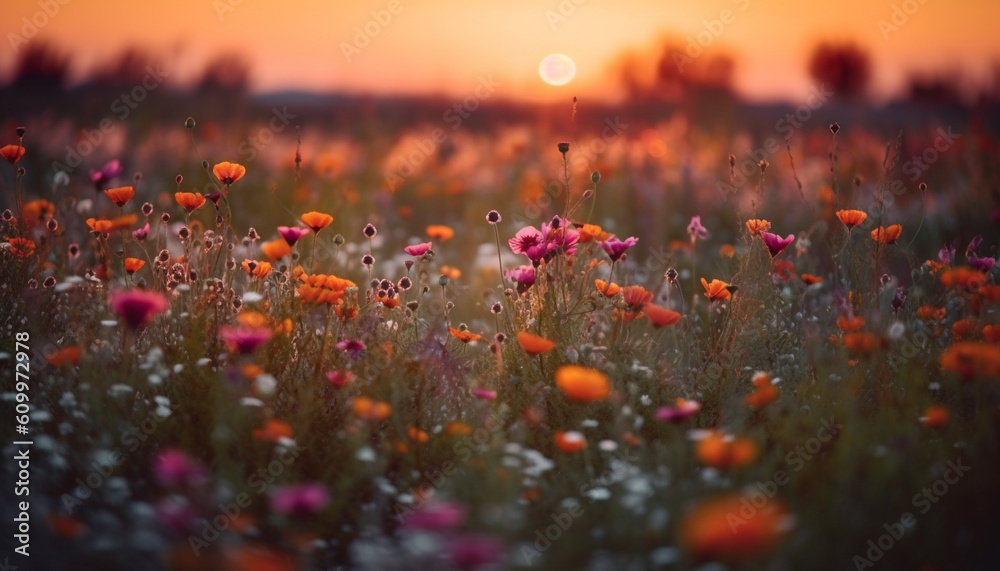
x: 484, y: 394
x: 615, y: 247
x: 110, y: 170
x: 437, y: 517
x: 776, y: 244
x: 695, y: 230
x: 176, y: 513
x: 292, y: 234
x: 141, y: 233
x: 175, y: 469
x: 418, y: 250
x: 352, y: 346
x: 561, y: 236
x: 470, y: 551
x: 300, y: 499
x: 340, y: 379
x: 684, y: 410
x: 245, y: 340
x: 529, y: 242
x: 137, y: 307
x: 523, y: 275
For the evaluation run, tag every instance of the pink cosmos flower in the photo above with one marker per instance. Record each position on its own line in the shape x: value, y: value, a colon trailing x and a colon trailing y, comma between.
x: 684, y: 409
x: 175, y: 469
x: 615, y: 247
x: 529, y: 242
x: 292, y: 234
x: 776, y: 244
x: 141, y: 233
x: 524, y: 276
x: 418, y: 250
x: 484, y: 394
x: 352, y: 346
x: 695, y: 230
x: 300, y: 499
x: 110, y: 170
x: 436, y: 517
x: 340, y: 379
x: 245, y: 340
x: 137, y: 307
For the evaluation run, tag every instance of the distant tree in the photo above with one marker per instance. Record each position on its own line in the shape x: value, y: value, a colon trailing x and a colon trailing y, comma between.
x: 40, y: 66
x: 842, y: 67
x: 228, y: 72
x: 129, y: 68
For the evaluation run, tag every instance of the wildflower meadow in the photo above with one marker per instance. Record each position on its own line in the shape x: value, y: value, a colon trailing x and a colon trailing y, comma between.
x: 265, y: 334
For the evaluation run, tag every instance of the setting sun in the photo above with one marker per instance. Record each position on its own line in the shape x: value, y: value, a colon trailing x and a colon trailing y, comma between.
x: 557, y: 69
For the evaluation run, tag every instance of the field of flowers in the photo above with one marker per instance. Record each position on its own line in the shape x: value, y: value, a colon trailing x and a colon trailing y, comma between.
x: 504, y: 352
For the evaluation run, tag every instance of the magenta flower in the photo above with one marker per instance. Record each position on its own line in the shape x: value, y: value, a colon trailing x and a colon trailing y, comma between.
x: 947, y: 253
x: 695, y: 230
x: 776, y: 244
x: 214, y: 197
x: 484, y: 394
x: 175, y: 469
x: 436, y: 517
x: 523, y: 275
x: 137, y: 307
x: 529, y: 242
x: 561, y: 236
x: 292, y: 234
x: 110, y: 170
x: 418, y: 250
x: 352, y: 346
x: 245, y: 340
x: 470, y: 551
x: 141, y: 233
x: 684, y: 410
x: 982, y: 264
x: 340, y: 379
x: 300, y: 499
x: 615, y: 247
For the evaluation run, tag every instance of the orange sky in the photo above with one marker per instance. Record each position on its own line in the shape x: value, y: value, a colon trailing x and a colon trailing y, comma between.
x: 446, y: 46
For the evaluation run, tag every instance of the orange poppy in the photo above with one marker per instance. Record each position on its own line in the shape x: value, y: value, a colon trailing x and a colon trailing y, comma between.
x: 101, y: 226
x: 534, y: 344
x: 368, y: 409
x: 570, y: 442
x: 724, y: 451
x: 929, y: 312
x: 963, y: 276
x: 935, y: 416
x: 458, y: 428
x: 992, y: 333
x: 716, y: 528
x: 810, y: 279
x: 417, y: 435
x: 850, y: 324
x: 887, y: 235
x: 608, y: 290
x: 12, y: 153
x: 970, y: 360
x: 21, y: 247
x: 636, y: 297
x: 257, y: 269
x: 963, y: 329
x: 661, y: 316
x: 727, y: 251
x: 317, y: 220
x: 756, y: 225
x: 764, y: 391
x: 276, y: 249
x: 133, y: 265
x: 228, y: 172
x: 253, y: 319
x: 37, y: 211
x: 65, y: 356
x: 852, y: 218
x: 591, y: 233
x: 273, y: 430
x: 863, y: 342
x: 716, y: 290
x: 190, y: 201
x: 440, y: 232
x: 582, y: 384
x: 65, y: 525
x: 313, y: 294
x: 121, y: 195
x: 465, y: 336
x: 450, y: 272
